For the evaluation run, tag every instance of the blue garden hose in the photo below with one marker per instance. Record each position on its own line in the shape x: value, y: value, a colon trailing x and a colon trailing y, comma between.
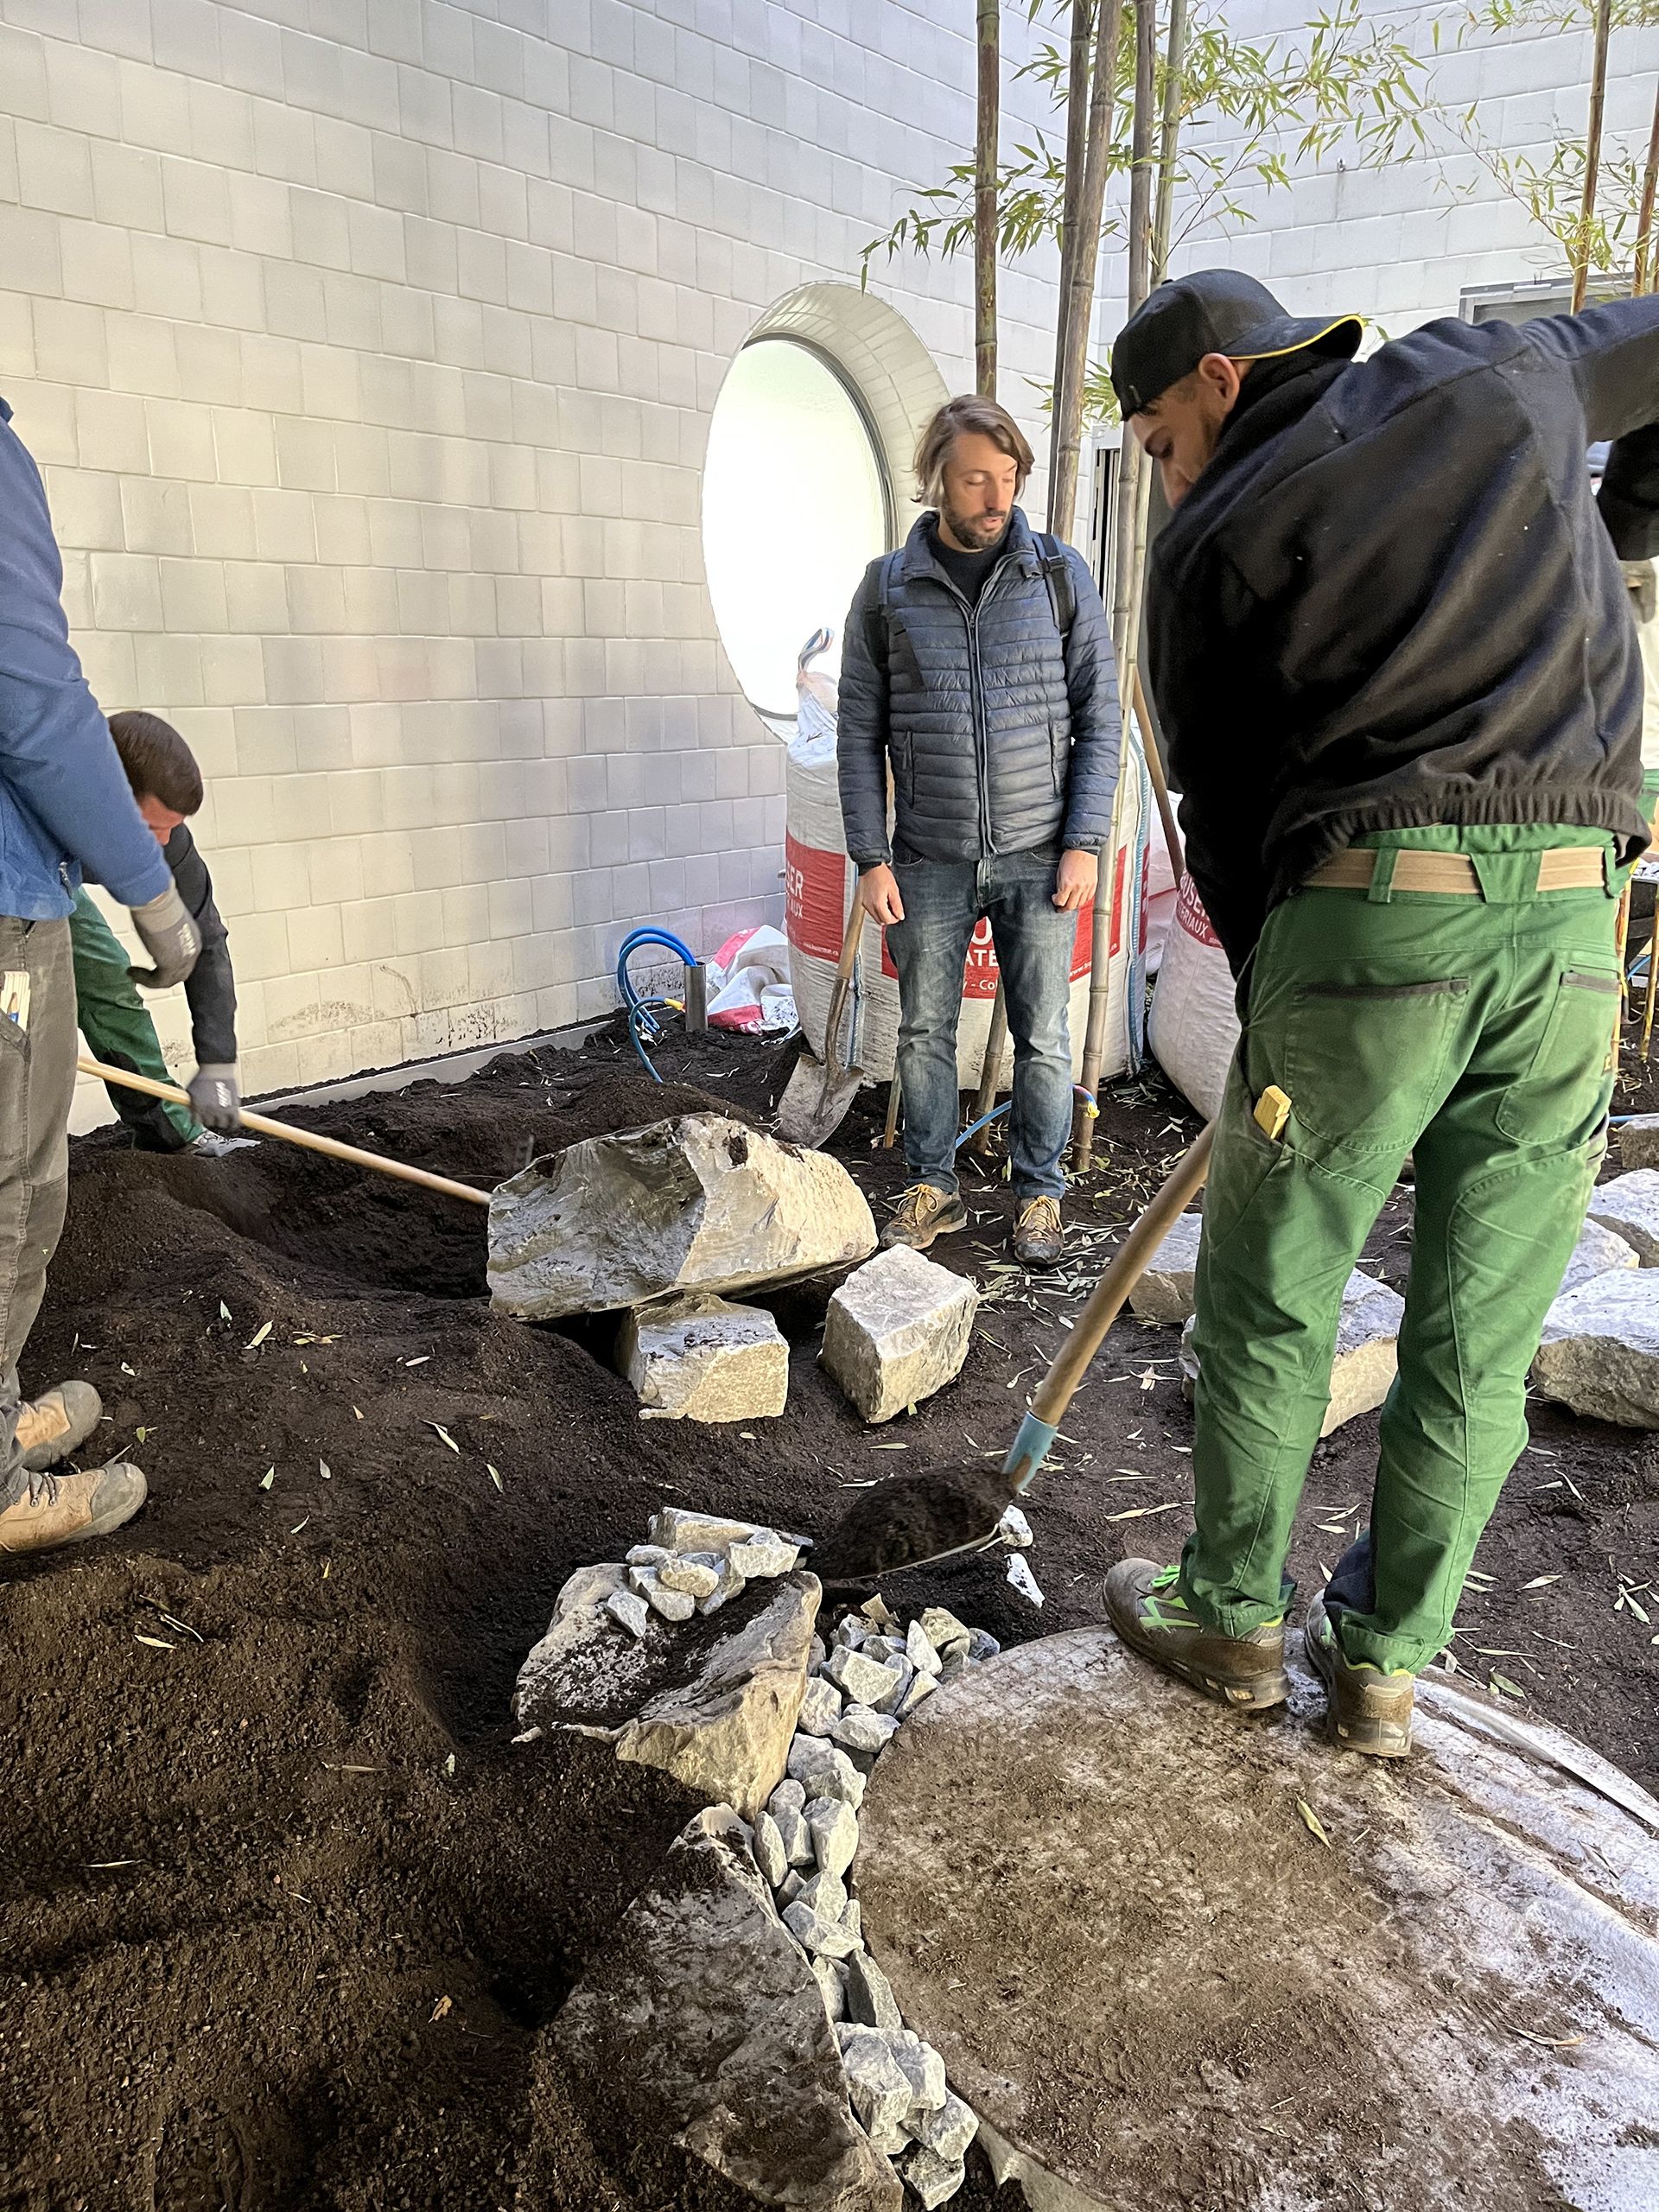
x: 1090, y: 1106
x: 643, y: 1028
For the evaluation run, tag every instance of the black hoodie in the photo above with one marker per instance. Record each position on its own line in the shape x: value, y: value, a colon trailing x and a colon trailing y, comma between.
x: 1388, y: 600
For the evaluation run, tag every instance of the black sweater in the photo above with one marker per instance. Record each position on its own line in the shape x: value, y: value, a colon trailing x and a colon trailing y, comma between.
x: 210, y: 988
x: 1388, y: 602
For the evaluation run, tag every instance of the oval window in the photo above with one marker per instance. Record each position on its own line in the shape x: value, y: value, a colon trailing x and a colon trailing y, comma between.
x: 795, y: 506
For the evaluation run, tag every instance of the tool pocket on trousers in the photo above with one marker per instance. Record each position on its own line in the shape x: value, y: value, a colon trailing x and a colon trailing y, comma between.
x: 1365, y: 1060
x: 1566, y: 1086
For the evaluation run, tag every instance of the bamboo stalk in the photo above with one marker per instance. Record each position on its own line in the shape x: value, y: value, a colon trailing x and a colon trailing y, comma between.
x: 985, y: 178
x: 1169, y: 138
x: 1094, y: 1040
x: 1644, y: 254
x: 1076, y: 155
x: 1077, y: 306
x: 1653, y: 988
x: 307, y: 1140
x: 1592, y: 151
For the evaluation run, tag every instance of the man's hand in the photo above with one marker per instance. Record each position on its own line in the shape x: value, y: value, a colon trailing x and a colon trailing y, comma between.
x: 878, y: 894
x: 169, y: 937
x: 216, y: 1099
x: 1075, y: 885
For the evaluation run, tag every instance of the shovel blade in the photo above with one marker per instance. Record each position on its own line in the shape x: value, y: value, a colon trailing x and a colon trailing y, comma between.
x: 912, y: 1519
x: 815, y: 1102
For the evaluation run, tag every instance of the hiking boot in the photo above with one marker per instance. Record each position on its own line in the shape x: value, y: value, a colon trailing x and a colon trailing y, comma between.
x: 68, y: 1509
x: 1039, y: 1233
x: 922, y: 1214
x: 1366, y: 1710
x: 1147, y: 1608
x: 56, y: 1423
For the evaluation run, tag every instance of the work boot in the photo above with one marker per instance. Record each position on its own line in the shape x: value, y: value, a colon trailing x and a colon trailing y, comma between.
x: 1366, y: 1710
x: 68, y: 1509
x: 922, y: 1214
x: 1147, y: 1608
x: 56, y: 1423
x: 1039, y: 1233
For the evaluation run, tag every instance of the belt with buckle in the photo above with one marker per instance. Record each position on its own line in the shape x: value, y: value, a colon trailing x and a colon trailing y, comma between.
x: 1561, y: 868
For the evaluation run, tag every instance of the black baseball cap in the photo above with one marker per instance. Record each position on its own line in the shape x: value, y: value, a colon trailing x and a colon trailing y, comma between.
x: 1214, y: 311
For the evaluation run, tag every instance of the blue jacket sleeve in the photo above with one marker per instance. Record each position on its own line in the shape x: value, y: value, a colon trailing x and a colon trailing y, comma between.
x: 862, y: 727
x: 1096, y: 721
x: 56, y: 754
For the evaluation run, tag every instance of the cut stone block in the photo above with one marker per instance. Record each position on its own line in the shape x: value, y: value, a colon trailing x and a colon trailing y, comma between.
x: 700, y: 2023
x: 1638, y: 1140
x: 1165, y: 1291
x: 1629, y: 1206
x: 823, y: 1938
x: 1597, y: 1251
x: 699, y: 1357
x: 1600, y: 1349
x: 721, y: 1718
x: 897, y: 1330
x: 696, y: 1575
x: 1367, y: 1354
x: 676, y: 1529
x: 700, y: 1202
x: 763, y: 1556
x: 859, y: 1729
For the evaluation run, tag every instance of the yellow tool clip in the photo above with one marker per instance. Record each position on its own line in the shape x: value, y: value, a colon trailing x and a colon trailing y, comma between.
x: 1272, y: 1112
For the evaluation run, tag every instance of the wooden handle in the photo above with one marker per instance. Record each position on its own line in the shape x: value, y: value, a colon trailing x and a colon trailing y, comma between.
x: 330, y: 1147
x: 844, y: 968
x: 1156, y: 769
x: 1124, y: 1269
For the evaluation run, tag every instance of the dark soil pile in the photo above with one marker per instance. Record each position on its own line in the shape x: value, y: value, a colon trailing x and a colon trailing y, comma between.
x: 283, y: 1912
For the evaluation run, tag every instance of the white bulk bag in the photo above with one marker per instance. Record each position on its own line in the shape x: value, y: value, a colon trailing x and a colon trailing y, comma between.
x: 1194, y: 1026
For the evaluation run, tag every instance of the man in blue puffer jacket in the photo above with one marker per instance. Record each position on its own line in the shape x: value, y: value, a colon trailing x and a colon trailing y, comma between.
x: 978, y: 660
x: 65, y: 810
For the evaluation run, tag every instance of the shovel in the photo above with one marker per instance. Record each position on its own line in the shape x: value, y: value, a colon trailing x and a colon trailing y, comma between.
x: 915, y: 1519
x: 262, y: 1126
x: 819, y: 1092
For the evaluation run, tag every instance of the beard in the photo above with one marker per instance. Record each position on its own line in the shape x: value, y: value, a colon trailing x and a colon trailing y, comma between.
x: 979, y: 532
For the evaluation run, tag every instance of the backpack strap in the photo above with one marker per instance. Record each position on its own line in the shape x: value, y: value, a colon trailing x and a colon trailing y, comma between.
x: 1057, y: 574
x: 884, y: 580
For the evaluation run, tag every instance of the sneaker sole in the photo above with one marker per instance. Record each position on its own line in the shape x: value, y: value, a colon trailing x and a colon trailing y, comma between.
x: 1373, y: 1739
x: 1260, y: 1695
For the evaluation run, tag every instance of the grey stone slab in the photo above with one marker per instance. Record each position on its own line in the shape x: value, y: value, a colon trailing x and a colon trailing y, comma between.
x: 897, y: 1330
x: 1629, y: 1206
x: 1598, y: 1252
x: 1165, y: 1292
x: 699, y: 1357
x: 1600, y: 1353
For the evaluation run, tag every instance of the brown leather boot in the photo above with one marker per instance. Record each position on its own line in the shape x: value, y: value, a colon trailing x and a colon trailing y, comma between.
x: 56, y: 1423
x: 68, y: 1509
x: 1039, y: 1233
x: 1366, y: 1710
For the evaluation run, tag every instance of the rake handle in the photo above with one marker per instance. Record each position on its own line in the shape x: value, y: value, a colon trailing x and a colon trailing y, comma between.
x: 307, y: 1140
x: 1124, y: 1269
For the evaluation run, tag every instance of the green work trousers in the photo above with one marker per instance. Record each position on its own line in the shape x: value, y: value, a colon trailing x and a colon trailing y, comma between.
x: 115, y: 1023
x: 1476, y: 1033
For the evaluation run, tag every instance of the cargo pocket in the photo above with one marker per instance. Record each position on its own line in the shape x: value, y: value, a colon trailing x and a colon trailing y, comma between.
x: 1365, y: 1060
x: 1566, y: 1089
x: 1243, y: 1159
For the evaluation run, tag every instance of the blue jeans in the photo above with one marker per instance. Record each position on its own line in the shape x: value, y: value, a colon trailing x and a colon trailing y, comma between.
x: 944, y: 901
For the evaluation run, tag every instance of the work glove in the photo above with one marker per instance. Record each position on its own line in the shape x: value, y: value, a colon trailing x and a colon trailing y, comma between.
x: 169, y: 937
x: 1640, y: 581
x: 216, y: 1099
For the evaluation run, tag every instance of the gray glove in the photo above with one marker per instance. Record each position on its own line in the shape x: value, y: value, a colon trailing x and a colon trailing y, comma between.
x: 1640, y: 581
x: 216, y: 1098
x: 169, y: 937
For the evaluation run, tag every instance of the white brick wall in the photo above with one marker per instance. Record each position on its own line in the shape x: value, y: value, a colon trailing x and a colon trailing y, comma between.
x: 369, y: 347
x: 368, y: 350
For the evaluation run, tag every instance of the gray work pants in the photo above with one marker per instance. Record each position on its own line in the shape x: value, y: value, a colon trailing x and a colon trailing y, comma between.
x: 37, y: 1083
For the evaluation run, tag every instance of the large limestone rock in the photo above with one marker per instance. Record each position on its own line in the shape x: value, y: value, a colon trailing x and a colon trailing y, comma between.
x: 714, y: 1706
x: 697, y: 1203
x: 1366, y: 1358
x: 699, y: 2022
x: 698, y: 1357
x: 897, y: 1330
x: 1638, y: 1140
x: 1597, y: 1252
x: 1165, y: 1292
x: 1629, y: 1206
x: 1600, y: 1349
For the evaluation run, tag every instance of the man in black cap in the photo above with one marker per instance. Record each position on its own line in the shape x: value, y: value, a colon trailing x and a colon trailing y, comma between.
x: 1393, y: 653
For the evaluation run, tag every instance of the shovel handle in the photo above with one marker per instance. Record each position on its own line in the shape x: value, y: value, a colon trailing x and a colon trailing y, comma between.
x: 1124, y: 1269
x: 308, y: 1140
x: 844, y: 968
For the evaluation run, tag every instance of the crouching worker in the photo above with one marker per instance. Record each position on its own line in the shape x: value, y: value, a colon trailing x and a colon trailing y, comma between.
x: 1391, y: 646
x: 167, y: 786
